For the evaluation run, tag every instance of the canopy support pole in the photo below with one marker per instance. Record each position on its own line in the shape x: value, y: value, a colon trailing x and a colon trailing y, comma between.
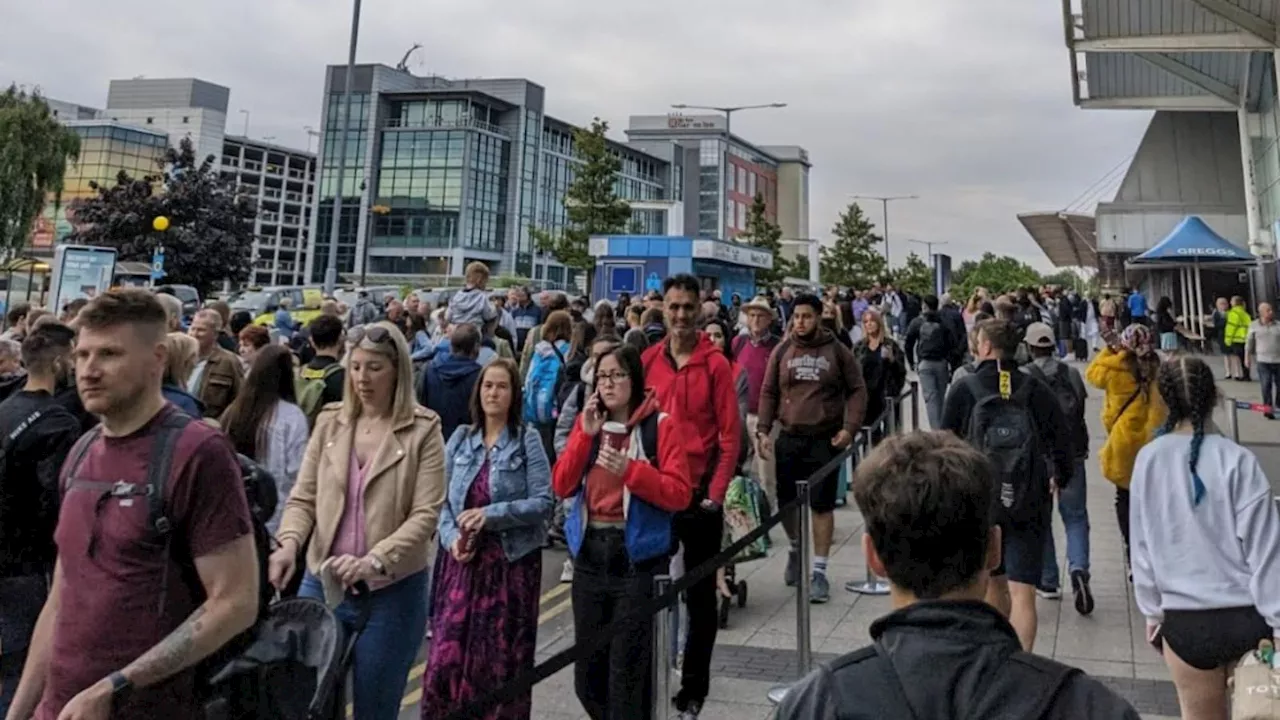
x: 1185, y: 296
x: 1199, y: 299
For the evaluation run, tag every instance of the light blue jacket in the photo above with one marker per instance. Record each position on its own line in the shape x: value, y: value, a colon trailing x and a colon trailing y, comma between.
x: 519, y: 486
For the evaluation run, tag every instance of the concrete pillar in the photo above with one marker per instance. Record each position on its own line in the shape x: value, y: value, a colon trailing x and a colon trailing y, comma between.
x: 1253, y: 213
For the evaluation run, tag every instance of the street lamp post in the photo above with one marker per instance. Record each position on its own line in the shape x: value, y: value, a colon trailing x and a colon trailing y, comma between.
x: 884, y: 201
x: 728, y: 137
x: 331, y: 267
x: 246, y: 122
x: 928, y: 244
x: 311, y: 133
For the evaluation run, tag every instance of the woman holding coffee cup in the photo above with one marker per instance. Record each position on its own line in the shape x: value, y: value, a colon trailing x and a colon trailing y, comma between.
x: 492, y: 529
x: 625, y: 472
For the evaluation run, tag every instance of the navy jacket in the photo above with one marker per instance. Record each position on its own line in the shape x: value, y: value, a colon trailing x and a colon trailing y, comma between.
x: 446, y: 388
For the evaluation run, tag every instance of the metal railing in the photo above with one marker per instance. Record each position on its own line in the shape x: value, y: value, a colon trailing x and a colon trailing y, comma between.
x: 661, y: 608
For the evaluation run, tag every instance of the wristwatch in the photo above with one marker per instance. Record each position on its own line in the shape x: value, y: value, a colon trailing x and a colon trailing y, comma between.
x: 378, y: 567
x: 121, y: 687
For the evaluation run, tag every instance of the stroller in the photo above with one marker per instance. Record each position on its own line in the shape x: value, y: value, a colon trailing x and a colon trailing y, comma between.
x: 294, y: 667
x: 745, y: 505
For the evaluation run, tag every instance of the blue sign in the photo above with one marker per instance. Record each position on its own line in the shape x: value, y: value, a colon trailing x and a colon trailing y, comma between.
x: 157, y: 264
x: 653, y: 282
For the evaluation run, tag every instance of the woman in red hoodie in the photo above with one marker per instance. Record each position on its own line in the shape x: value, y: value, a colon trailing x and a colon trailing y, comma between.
x: 624, y: 495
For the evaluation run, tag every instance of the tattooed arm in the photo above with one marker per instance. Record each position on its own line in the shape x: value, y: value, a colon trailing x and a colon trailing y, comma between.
x: 230, y: 578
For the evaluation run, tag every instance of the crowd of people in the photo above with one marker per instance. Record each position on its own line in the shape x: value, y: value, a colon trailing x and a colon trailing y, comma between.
x: 431, y: 454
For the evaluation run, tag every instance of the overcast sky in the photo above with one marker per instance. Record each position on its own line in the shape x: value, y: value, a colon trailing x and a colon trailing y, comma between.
x: 967, y: 104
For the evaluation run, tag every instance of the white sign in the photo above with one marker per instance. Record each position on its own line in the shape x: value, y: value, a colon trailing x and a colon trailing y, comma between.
x: 733, y: 253
x: 677, y: 122
x: 598, y: 246
x: 1220, y: 251
x: 80, y: 271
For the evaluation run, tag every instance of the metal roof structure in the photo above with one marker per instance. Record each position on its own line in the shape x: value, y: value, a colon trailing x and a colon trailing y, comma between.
x: 1168, y: 54
x: 1069, y: 240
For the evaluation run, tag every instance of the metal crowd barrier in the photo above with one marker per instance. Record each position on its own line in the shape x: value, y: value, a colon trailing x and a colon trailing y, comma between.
x: 663, y: 606
x: 1233, y: 407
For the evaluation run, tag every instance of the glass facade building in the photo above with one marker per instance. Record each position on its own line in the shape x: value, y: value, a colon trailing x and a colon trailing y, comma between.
x: 106, y: 149
x: 442, y: 172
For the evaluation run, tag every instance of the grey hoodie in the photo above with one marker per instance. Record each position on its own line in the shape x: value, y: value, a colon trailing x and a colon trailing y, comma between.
x: 471, y: 306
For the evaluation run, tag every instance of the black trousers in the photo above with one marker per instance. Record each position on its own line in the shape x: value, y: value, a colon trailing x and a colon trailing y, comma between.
x: 701, y: 533
x: 1122, y: 516
x: 616, y: 681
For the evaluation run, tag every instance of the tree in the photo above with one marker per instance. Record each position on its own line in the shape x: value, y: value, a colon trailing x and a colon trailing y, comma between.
x: 591, y: 203
x: 767, y: 236
x: 210, y: 235
x: 997, y: 273
x: 915, y: 276
x: 854, y: 260
x: 34, y: 150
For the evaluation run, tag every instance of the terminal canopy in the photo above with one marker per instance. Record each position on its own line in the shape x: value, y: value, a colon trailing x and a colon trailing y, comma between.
x: 1192, y: 241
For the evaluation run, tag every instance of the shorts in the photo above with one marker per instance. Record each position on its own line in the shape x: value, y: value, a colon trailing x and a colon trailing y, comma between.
x: 799, y: 456
x: 1209, y: 639
x: 1022, y: 551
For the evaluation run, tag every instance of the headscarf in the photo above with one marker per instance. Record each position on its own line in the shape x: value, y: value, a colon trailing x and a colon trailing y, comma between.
x: 1137, y: 339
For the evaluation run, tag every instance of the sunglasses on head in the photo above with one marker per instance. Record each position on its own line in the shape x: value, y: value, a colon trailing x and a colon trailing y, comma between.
x: 373, y: 333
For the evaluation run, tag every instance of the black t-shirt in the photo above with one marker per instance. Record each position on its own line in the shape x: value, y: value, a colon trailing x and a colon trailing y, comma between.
x: 36, y: 433
x: 333, y: 386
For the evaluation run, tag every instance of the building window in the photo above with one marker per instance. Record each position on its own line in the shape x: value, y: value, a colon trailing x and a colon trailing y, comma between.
x: 150, y: 120
x: 751, y: 184
x: 742, y: 216
x: 185, y: 119
x: 742, y: 179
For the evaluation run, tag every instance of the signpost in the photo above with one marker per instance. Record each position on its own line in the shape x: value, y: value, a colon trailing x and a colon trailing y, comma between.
x: 80, y: 271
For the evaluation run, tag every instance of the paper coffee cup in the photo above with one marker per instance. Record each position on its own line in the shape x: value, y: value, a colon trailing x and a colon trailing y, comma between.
x: 615, y: 434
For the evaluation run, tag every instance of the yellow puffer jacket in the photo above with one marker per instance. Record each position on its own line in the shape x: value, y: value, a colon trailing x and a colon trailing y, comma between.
x: 1126, y: 435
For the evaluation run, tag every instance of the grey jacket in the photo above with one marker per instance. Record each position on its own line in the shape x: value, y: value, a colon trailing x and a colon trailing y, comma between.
x: 1263, y: 341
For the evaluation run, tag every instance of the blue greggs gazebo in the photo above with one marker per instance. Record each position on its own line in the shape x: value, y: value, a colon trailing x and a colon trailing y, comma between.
x: 1188, y: 248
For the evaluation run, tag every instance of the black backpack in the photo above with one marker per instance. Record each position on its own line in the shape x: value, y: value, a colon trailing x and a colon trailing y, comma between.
x: 1060, y: 383
x: 933, y: 337
x: 1002, y: 427
x: 260, y: 491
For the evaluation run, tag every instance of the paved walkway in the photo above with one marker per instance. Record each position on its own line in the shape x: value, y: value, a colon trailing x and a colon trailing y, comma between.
x: 757, y: 651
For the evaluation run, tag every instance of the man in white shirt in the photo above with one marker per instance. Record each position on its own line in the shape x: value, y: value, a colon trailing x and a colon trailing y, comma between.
x: 1262, y: 350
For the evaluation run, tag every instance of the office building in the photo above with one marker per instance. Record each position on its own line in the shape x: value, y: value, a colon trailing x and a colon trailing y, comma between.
x: 282, y: 181
x: 465, y: 169
x: 181, y: 107
x: 107, y: 147
x: 732, y: 171
x: 793, y: 197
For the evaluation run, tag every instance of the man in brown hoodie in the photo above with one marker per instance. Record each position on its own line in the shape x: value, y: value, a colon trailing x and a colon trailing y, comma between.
x: 813, y: 388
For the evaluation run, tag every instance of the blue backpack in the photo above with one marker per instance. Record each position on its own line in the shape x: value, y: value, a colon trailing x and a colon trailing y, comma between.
x: 542, y: 387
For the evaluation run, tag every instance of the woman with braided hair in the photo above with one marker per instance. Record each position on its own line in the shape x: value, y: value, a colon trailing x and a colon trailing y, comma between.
x: 1126, y: 371
x: 1206, y: 543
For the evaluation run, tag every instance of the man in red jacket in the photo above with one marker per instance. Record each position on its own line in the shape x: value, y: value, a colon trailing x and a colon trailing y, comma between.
x: 695, y: 383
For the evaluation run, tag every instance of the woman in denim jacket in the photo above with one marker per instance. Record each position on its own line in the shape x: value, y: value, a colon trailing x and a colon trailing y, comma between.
x: 492, y: 529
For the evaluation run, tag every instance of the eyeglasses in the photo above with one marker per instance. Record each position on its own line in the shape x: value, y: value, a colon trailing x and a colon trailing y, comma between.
x: 375, y: 334
x: 611, y: 378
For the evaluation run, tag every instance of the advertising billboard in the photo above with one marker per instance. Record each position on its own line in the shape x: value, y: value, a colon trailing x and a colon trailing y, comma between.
x: 80, y: 271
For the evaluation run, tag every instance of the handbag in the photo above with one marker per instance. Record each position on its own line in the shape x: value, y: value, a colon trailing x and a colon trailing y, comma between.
x: 1255, y: 689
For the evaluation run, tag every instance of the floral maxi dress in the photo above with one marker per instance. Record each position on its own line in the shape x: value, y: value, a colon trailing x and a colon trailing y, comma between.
x: 485, y: 623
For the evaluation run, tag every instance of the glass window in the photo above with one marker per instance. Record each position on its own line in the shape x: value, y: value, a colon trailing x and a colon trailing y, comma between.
x: 742, y: 216
x: 742, y: 179
x: 751, y: 184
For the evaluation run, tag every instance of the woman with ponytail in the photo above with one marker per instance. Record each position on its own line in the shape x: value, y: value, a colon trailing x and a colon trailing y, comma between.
x: 1206, y: 543
x: 1131, y: 411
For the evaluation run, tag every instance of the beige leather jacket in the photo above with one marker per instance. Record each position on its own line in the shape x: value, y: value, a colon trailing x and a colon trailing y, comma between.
x: 403, y: 492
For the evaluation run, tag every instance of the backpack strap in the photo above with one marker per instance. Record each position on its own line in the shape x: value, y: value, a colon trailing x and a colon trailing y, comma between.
x: 649, y: 437
x: 158, y: 471
x: 76, y: 457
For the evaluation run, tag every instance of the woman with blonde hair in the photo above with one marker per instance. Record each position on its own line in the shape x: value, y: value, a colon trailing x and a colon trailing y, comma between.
x: 182, y: 349
x: 365, y: 506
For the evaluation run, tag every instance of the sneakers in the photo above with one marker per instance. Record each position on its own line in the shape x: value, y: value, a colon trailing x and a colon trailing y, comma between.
x: 566, y: 575
x: 1049, y: 593
x: 792, y: 574
x: 689, y: 709
x: 1080, y: 588
x: 819, y: 588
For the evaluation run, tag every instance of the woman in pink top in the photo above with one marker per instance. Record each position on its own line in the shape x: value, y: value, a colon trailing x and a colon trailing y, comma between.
x: 365, y: 506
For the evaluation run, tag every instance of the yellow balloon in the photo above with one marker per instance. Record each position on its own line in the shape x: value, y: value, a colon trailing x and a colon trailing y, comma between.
x: 161, y: 223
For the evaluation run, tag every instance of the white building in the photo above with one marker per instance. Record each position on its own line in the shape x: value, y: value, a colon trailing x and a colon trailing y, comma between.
x: 282, y: 180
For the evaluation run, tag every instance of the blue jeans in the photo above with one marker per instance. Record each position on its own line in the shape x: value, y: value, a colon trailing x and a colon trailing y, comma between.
x: 935, y: 375
x: 385, y: 652
x: 1269, y: 376
x: 1075, y: 518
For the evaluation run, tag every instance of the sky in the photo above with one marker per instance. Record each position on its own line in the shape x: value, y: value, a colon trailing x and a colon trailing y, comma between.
x: 965, y: 104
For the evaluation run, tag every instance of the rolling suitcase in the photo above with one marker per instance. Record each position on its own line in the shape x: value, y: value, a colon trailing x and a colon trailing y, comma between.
x: 1080, y: 347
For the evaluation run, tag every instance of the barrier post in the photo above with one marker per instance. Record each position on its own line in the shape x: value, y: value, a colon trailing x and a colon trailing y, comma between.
x: 804, y: 654
x: 1233, y: 420
x: 915, y: 405
x: 661, y: 652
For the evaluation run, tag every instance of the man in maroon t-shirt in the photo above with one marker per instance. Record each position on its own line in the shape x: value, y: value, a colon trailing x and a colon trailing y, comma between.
x: 109, y: 642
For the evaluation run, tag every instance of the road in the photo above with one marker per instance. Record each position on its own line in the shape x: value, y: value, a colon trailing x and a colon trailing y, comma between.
x: 554, y: 620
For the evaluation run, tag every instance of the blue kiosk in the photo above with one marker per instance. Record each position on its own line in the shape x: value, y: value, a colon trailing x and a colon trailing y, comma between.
x: 635, y: 264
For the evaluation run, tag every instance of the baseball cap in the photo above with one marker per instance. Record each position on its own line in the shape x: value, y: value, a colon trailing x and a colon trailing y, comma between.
x: 1039, y: 335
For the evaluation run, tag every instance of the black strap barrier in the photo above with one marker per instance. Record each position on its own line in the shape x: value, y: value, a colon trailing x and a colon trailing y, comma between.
x: 584, y: 648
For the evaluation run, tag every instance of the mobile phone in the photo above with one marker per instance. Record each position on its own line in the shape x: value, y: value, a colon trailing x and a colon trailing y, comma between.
x: 1156, y: 638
